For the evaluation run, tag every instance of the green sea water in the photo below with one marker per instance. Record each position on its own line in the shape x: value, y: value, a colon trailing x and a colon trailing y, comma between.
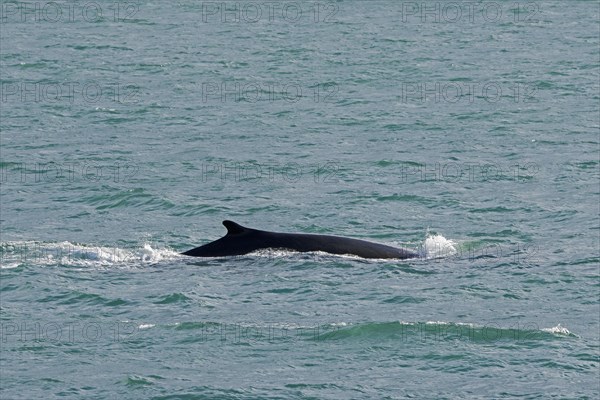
x: 468, y: 131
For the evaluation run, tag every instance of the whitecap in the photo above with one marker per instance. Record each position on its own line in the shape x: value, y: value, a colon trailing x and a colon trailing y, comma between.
x: 559, y: 330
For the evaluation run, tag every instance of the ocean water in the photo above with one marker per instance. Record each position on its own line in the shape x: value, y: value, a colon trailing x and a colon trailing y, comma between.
x: 468, y: 131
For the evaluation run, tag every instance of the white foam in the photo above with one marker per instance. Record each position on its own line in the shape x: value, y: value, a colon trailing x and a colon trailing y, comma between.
x: 9, y: 265
x: 437, y: 246
x: 559, y: 330
x: 15, y: 254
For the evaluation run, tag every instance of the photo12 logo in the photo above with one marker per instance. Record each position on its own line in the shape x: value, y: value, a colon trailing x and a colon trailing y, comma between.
x: 221, y: 332
x: 466, y: 92
x: 66, y: 332
x: 454, y: 172
x: 252, y: 172
x: 252, y: 92
x: 268, y: 11
x: 452, y: 12
x: 66, y: 172
x: 68, y: 92
x: 68, y: 12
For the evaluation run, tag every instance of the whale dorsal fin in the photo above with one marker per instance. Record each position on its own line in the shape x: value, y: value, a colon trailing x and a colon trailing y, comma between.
x: 233, y: 228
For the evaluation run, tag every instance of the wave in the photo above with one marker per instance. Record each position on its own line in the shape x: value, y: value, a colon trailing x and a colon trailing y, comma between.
x: 368, y: 331
x: 456, y: 331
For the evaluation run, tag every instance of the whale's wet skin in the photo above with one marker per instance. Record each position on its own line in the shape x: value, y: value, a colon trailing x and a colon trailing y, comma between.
x: 241, y: 240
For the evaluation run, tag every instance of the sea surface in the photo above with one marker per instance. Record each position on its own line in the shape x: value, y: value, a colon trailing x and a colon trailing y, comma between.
x: 467, y: 131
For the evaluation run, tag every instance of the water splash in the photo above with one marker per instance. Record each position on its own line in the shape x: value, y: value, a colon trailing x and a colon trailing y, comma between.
x: 16, y: 254
x: 437, y: 246
x: 559, y: 330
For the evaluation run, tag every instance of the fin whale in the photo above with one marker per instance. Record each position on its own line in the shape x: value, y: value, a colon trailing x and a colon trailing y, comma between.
x: 240, y: 240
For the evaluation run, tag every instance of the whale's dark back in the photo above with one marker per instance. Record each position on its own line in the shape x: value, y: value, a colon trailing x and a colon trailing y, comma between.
x: 241, y: 240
